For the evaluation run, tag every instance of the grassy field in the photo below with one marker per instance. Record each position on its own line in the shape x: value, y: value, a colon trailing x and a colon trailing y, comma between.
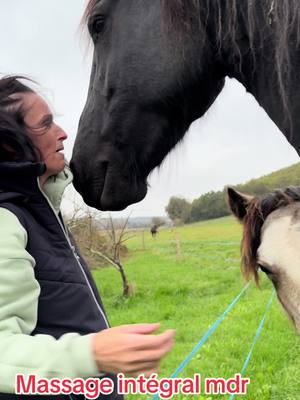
x: 190, y: 293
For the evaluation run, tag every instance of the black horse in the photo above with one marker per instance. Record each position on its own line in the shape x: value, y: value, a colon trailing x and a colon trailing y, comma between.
x: 154, y: 230
x: 159, y: 64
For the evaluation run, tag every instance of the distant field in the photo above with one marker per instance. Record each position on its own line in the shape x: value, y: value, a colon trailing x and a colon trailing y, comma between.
x: 189, y: 294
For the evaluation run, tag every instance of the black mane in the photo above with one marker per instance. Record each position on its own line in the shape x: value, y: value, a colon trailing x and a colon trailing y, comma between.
x: 276, y: 22
x: 148, y: 78
x: 266, y: 22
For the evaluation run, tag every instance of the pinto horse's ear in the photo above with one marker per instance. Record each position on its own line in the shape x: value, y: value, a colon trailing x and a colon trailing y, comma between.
x: 238, y: 203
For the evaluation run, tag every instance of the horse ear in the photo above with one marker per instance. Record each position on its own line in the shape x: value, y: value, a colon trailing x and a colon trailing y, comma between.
x: 238, y: 203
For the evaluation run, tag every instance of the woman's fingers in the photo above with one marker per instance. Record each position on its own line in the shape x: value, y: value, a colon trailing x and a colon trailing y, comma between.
x: 122, y: 349
x: 141, y: 368
x: 142, y: 329
x: 153, y: 354
x: 144, y: 342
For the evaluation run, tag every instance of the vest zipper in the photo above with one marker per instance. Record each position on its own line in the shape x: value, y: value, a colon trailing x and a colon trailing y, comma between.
x: 76, y: 256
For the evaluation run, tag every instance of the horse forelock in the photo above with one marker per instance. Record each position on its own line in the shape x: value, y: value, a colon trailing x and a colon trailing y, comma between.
x: 251, y: 238
x: 257, y: 211
x: 89, y: 8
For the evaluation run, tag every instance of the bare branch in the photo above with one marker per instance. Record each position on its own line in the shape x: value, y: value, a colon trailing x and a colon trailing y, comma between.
x: 128, y: 238
x: 105, y: 257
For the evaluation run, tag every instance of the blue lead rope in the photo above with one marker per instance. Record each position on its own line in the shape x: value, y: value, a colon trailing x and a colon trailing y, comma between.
x: 206, y: 336
x: 247, y: 360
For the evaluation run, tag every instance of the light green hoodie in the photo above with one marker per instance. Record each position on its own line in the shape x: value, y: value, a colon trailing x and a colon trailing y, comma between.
x: 42, y: 355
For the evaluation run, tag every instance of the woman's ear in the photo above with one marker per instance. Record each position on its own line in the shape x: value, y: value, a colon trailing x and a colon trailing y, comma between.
x: 238, y: 203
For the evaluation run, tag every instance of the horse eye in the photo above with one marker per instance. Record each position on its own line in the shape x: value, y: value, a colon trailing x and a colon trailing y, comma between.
x: 98, y: 24
x: 265, y: 270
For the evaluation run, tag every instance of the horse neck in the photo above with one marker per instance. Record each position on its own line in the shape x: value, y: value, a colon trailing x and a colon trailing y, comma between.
x: 265, y: 88
x: 259, y: 77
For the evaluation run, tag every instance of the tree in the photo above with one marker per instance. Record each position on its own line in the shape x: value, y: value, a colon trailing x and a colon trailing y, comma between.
x: 95, y: 243
x: 157, y: 221
x: 179, y: 209
x: 117, y: 234
x: 213, y: 204
x: 209, y: 205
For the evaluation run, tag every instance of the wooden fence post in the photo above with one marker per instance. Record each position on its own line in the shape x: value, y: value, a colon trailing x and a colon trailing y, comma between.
x: 178, y: 247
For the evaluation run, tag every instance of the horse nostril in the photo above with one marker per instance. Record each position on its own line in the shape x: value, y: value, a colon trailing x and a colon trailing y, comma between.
x: 110, y: 93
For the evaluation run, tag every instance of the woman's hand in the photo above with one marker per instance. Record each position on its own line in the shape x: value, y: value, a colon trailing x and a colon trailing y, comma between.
x: 131, y: 349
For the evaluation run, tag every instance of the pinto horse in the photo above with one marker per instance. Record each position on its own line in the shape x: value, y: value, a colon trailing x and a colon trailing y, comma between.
x: 271, y: 242
x: 158, y: 65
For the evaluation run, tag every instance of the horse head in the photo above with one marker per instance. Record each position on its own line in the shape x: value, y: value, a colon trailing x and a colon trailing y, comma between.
x: 158, y: 65
x: 148, y: 83
x: 271, y: 242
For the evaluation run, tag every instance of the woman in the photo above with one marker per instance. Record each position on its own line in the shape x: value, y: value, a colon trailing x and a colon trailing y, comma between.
x: 52, y: 321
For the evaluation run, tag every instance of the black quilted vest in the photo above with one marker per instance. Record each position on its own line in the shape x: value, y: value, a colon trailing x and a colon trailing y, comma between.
x: 69, y: 300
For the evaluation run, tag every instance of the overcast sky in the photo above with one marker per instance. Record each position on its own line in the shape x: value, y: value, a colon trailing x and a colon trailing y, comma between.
x: 234, y: 142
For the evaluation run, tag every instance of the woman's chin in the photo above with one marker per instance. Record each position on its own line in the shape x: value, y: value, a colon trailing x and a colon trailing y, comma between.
x: 55, y: 169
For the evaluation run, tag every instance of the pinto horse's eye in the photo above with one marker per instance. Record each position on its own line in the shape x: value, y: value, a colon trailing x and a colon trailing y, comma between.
x: 264, y: 269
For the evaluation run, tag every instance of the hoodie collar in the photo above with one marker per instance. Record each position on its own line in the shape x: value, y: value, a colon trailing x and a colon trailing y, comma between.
x: 55, y: 186
x: 21, y: 179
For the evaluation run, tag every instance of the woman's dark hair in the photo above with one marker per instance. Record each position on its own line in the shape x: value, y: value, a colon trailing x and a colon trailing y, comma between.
x: 15, y: 144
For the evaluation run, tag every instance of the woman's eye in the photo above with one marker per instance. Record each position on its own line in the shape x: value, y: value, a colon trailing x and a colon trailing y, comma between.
x: 48, y: 123
x: 44, y: 126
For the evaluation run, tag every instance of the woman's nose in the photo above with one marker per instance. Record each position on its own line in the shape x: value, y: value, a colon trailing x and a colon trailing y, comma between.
x: 62, y: 134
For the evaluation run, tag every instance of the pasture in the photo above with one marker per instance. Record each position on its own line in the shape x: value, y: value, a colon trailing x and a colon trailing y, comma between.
x: 190, y: 293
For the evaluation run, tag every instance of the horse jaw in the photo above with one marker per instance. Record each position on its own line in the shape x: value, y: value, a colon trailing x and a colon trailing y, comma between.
x: 128, y: 190
x: 100, y: 190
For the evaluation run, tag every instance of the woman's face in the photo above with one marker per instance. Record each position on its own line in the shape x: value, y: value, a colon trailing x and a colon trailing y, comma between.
x: 44, y: 133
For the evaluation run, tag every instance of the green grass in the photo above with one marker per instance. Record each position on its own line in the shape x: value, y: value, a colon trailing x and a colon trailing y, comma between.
x: 188, y: 294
